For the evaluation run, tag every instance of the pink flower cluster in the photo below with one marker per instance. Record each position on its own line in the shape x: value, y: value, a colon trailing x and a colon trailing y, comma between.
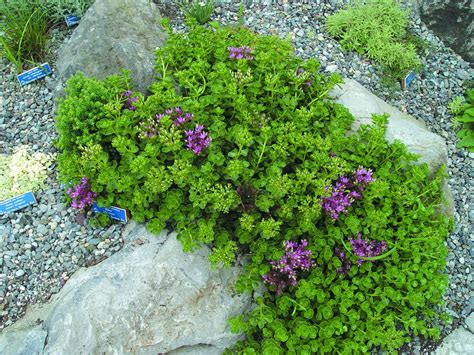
x: 283, y: 272
x: 149, y: 128
x: 81, y: 195
x: 362, y: 248
x: 367, y: 249
x: 197, y: 139
x: 243, y: 52
x: 345, y: 191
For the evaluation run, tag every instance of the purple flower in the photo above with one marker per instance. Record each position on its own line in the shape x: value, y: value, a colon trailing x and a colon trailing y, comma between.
x: 363, y: 176
x: 284, y: 272
x: 81, y: 195
x: 345, y: 191
x: 150, y: 127
x: 367, y: 249
x: 197, y: 139
x: 243, y: 52
x: 130, y: 100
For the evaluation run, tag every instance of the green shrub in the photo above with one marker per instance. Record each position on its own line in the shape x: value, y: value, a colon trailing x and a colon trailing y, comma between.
x: 376, y: 28
x: 271, y: 146
x: 463, y: 111
x: 58, y: 9
x: 23, y: 31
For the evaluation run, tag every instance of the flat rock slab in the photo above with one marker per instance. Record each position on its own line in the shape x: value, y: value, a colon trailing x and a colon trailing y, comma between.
x: 470, y: 322
x: 28, y: 341
x: 114, y: 35
x: 459, y: 342
x: 149, y: 298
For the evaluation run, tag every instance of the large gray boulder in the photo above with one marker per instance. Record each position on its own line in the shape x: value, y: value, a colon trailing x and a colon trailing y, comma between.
x: 114, y: 35
x: 149, y: 298
x: 430, y: 147
x: 452, y: 21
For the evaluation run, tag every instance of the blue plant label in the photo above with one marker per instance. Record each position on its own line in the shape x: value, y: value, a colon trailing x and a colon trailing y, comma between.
x: 408, y: 79
x: 17, y: 203
x: 119, y: 214
x: 71, y: 20
x: 34, y: 74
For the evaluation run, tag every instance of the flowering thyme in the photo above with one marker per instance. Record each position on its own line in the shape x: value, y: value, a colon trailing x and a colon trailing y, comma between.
x: 81, y: 195
x: 150, y: 127
x: 243, y: 52
x: 283, y: 272
x: 367, y: 249
x: 197, y: 139
x: 129, y: 104
x: 345, y: 191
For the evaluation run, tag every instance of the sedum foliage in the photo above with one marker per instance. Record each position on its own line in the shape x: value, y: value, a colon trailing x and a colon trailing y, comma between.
x: 376, y: 28
x: 278, y: 142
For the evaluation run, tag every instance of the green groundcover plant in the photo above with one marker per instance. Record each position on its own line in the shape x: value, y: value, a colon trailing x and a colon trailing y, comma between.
x: 377, y: 28
x: 463, y: 111
x: 240, y: 148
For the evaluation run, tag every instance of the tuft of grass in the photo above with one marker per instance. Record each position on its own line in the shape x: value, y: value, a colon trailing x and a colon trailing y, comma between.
x: 201, y: 10
x: 23, y: 31
x: 377, y: 28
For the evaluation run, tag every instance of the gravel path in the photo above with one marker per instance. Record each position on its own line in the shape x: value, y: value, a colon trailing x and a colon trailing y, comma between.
x: 42, y: 245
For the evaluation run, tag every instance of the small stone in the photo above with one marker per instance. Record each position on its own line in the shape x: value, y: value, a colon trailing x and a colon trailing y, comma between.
x: 462, y: 74
x: 19, y: 273
x: 41, y: 229
x: 332, y: 68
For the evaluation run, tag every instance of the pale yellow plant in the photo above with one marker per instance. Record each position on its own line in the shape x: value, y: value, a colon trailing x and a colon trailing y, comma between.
x: 22, y: 172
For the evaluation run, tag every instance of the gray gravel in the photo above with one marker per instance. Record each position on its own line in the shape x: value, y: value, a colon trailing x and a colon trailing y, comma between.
x: 41, y: 245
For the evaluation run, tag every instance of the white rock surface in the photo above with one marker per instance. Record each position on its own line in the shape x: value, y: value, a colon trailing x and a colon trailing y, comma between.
x: 470, y: 322
x: 459, y: 342
x: 149, y: 298
x: 28, y: 341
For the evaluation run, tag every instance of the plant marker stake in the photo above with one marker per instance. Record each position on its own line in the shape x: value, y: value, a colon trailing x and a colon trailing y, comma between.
x: 34, y: 74
x: 408, y: 79
x: 119, y: 214
x: 16, y: 203
x: 71, y: 20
